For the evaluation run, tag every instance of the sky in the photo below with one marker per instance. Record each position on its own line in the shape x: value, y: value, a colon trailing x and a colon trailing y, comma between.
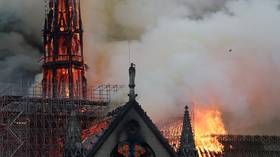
x: 215, y: 52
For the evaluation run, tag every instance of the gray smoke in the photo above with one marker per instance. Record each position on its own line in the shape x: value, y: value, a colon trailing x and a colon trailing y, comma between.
x: 225, y: 52
x: 20, y: 39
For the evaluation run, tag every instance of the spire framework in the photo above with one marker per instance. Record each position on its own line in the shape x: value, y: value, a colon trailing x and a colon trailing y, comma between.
x: 63, y: 61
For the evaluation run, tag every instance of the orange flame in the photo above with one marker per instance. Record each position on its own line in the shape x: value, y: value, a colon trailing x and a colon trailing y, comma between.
x: 207, y: 122
x: 172, y: 129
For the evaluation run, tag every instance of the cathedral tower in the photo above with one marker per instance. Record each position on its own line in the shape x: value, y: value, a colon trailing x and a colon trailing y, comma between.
x: 63, y: 62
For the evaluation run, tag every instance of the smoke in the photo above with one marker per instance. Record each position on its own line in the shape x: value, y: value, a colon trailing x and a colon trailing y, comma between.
x: 223, y: 52
x: 20, y: 39
x: 108, y: 24
x: 211, y: 51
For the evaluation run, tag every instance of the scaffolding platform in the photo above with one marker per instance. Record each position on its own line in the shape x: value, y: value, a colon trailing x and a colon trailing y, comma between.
x: 34, y: 126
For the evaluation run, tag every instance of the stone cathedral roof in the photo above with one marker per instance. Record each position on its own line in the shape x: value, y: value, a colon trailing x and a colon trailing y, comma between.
x: 115, y: 117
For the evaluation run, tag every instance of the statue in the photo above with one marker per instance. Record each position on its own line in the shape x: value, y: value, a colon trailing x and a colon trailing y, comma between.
x: 132, y: 73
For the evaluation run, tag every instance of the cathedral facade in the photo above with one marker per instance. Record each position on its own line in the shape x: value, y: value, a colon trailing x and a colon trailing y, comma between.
x: 131, y: 133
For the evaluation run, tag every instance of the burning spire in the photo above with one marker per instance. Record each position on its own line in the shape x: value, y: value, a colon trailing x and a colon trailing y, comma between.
x: 63, y: 62
x: 187, y: 144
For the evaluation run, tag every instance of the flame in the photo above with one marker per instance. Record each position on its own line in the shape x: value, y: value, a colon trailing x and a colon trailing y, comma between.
x: 95, y: 128
x: 172, y: 129
x: 208, y: 122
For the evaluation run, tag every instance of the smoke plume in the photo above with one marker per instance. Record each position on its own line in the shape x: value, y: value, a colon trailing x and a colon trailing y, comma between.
x: 211, y: 51
x: 221, y: 52
x: 20, y: 39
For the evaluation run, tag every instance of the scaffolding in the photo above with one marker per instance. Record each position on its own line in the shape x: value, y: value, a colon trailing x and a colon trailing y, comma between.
x: 34, y: 126
x: 100, y: 93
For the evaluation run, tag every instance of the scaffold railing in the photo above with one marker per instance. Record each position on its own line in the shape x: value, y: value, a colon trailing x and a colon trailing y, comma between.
x: 101, y: 93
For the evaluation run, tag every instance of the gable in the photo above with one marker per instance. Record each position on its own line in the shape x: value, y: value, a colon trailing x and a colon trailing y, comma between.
x: 147, y: 134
